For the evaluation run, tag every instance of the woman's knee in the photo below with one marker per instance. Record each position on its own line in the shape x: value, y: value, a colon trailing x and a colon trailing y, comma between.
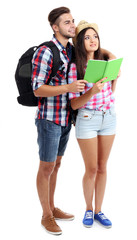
x: 101, y: 169
x: 91, y: 172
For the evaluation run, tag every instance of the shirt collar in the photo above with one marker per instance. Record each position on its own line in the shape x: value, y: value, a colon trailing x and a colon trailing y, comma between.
x: 60, y: 46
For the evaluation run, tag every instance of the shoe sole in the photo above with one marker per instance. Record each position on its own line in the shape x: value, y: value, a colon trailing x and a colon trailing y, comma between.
x: 102, y: 224
x: 53, y: 233
x: 87, y: 226
x: 65, y: 219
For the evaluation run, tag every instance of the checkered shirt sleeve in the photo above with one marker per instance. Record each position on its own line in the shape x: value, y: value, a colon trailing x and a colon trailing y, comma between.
x: 72, y: 76
x: 41, y: 66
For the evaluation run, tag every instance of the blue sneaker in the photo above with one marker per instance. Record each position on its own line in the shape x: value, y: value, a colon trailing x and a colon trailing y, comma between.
x: 103, y: 220
x: 88, y: 219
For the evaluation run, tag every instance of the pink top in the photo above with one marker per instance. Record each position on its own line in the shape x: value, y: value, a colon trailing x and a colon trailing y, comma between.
x: 101, y: 101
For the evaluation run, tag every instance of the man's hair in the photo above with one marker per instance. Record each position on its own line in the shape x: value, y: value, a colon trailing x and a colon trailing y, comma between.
x: 56, y: 13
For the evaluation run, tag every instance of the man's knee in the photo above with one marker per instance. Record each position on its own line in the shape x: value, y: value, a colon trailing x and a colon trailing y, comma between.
x: 46, y: 168
x: 58, y: 163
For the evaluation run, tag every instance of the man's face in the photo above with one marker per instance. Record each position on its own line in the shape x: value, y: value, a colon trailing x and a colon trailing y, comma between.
x: 66, y: 26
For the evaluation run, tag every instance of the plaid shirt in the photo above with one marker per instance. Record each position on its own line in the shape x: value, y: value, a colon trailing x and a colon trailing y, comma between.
x: 53, y: 108
x: 100, y: 101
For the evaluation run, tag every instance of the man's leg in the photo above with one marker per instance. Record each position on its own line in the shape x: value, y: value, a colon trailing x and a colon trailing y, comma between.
x: 53, y: 180
x: 65, y: 131
x: 57, y: 213
x: 48, y: 140
x: 43, y: 186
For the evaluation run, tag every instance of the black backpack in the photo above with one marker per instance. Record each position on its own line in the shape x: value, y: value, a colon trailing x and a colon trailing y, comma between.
x: 24, y: 70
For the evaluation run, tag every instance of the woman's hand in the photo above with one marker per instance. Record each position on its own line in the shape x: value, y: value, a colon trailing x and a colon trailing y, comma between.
x: 84, y: 98
x: 98, y: 86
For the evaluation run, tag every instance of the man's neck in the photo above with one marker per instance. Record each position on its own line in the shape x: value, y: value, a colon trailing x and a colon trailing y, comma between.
x: 62, y: 40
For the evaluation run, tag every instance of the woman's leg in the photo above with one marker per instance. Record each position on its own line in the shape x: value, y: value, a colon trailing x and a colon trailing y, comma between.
x: 89, y: 152
x: 104, y: 148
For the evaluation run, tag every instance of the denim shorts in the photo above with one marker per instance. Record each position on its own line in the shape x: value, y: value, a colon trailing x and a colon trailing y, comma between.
x: 91, y: 123
x: 52, y: 139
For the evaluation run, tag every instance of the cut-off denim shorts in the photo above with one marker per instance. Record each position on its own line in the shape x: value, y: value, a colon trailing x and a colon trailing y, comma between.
x: 91, y: 123
x: 52, y: 139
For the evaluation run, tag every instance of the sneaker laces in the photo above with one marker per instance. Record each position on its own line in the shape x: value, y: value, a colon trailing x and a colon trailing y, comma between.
x: 60, y: 211
x: 52, y: 222
x: 89, y: 215
x: 102, y: 216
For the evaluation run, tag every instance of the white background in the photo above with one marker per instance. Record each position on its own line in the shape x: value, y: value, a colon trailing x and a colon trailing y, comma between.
x: 24, y: 24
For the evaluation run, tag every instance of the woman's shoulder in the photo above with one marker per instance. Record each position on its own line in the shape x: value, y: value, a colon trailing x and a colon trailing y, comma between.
x: 73, y: 66
x: 72, y: 69
x: 72, y: 73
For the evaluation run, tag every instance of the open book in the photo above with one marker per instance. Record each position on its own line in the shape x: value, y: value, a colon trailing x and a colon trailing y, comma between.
x: 98, y: 69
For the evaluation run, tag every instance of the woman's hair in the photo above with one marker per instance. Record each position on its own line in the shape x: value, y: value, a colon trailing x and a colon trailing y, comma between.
x: 56, y: 13
x: 81, y: 53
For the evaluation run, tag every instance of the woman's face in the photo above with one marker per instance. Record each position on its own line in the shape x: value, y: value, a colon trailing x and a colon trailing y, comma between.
x: 91, y: 41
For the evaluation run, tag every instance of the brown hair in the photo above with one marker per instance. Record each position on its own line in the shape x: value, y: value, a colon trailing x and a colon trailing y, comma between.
x: 56, y: 13
x: 81, y: 54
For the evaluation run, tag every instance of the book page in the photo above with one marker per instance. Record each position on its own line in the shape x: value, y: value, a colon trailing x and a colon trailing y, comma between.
x: 112, y: 69
x: 95, y: 70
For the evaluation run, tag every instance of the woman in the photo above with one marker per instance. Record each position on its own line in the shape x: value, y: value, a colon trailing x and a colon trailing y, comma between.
x: 96, y: 122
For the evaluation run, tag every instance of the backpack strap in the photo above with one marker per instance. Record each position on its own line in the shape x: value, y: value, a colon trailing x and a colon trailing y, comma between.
x: 56, y: 58
x: 56, y: 61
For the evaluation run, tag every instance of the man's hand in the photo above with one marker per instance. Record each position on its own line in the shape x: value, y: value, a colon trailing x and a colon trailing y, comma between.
x: 109, y: 55
x: 119, y: 74
x: 77, y: 86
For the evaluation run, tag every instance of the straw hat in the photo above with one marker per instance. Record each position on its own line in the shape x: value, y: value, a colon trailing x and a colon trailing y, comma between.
x: 82, y: 25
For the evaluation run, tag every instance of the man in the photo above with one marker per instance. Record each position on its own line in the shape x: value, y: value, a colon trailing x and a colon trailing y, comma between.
x: 53, y: 115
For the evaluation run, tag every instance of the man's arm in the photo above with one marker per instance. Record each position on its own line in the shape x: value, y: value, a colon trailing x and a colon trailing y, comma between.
x: 50, y: 91
x: 114, y: 82
x: 108, y: 54
x: 41, y: 70
x: 111, y: 56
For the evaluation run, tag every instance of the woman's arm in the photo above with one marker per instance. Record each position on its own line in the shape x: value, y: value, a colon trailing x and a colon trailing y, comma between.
x: 84, y: 98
